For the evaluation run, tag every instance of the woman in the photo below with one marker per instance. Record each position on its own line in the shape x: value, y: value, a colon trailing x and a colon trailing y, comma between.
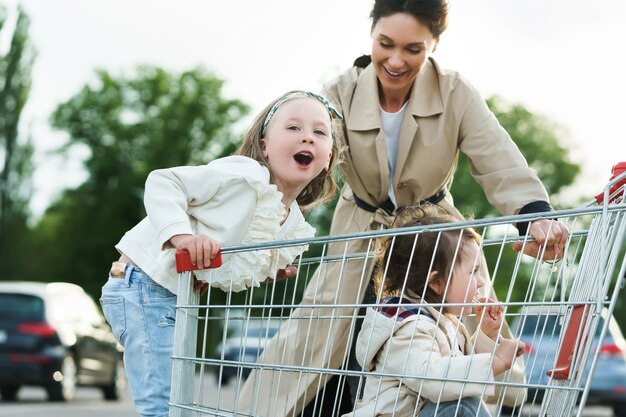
x: 405, y: 121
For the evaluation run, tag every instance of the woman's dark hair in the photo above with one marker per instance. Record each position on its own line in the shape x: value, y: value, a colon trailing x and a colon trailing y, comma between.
x: 432, y: 13
x: 405, y: 262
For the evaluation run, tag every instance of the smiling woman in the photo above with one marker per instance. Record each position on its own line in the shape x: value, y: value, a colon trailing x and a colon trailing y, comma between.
x: 406, y: 119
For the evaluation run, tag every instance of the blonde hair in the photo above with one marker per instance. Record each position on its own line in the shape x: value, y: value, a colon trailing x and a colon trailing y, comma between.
x: 323, y: 187
x: 408, y: 262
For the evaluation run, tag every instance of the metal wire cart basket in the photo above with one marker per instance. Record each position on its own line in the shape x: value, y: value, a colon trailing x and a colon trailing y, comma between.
x: 271, y: 350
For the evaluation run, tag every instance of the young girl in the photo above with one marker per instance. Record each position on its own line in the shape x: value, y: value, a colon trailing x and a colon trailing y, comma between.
x: 284, y: 164
x: 429, y: 342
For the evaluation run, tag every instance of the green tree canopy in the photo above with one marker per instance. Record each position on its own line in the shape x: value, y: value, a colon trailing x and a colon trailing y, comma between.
x: 15, y: 150
x: 130, y: 126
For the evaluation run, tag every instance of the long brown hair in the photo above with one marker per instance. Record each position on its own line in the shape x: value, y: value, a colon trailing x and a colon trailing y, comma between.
x: 323, y: 187
x: 405, y: 262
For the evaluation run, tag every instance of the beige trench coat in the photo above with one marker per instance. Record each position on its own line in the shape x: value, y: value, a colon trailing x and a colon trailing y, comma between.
x: 444, y: 115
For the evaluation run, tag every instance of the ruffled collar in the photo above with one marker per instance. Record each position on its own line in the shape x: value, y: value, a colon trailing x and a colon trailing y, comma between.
x: 242, y: 270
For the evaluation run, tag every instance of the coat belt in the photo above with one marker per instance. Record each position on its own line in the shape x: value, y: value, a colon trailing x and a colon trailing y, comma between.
x: 385, y: 212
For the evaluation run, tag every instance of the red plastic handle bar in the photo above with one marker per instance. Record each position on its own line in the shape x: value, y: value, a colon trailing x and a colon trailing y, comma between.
x: 183, y: 261
x: 617, y: 169
x: 565, y: 355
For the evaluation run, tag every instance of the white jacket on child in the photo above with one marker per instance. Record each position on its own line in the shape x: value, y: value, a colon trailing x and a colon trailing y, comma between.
x: 230, y: 200
x: 420, y: 347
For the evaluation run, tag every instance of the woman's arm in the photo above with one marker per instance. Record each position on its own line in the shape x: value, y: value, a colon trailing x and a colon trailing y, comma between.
x: 501, y: 169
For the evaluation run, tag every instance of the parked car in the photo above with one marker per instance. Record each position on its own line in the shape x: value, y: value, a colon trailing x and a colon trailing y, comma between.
x: 245, y: 343
x: 53, y: 335
x: 540, y: 330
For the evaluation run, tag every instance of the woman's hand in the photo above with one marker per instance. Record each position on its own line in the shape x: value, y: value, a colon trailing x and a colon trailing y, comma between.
x: 289, y: 271
x: 506, y: 352
x: 201, y: 248
x: 489, y: 317
x: 551, y: 233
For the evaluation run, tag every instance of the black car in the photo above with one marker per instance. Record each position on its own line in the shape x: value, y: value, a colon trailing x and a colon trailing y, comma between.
x: 53, y: 335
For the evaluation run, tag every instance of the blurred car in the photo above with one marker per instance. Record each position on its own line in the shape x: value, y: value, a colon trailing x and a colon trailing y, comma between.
x: 245, y: 343
x: 540, y: 330
x: 53, y: 335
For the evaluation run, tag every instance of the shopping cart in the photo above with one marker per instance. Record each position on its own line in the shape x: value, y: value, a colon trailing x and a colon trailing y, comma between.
x: 227, y: 360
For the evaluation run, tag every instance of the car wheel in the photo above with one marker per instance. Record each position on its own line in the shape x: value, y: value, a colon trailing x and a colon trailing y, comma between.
x: 619, y: 409
x: 114, y: 390
x: 63, y: 387
x: 9, y: 393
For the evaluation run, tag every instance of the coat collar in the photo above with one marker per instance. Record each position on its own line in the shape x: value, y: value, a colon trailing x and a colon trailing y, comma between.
x: 425, y: 99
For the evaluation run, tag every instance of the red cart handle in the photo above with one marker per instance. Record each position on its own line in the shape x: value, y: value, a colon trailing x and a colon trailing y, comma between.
x: 617, y: 169
x: 573, y: 336
x: 183, y: 261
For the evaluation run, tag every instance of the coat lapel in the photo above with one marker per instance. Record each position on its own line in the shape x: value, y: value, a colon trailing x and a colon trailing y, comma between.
x: 365, y: 116
x: 425, y: 101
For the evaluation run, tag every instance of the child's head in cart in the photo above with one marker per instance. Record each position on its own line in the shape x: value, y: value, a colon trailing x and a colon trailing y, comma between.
x: 439, y: 268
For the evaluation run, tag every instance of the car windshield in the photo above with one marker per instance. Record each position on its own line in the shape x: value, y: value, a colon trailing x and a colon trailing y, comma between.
x: 21, y: 307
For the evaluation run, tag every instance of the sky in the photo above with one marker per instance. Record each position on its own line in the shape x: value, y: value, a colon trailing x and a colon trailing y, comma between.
x: 562, y: 59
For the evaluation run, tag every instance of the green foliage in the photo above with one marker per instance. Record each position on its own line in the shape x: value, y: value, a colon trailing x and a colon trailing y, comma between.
x: 15, y: 155
x: 130, y: 126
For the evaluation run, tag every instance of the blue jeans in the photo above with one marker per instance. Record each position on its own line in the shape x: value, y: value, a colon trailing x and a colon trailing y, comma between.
x: 141, y: 314
x: 467, y: 407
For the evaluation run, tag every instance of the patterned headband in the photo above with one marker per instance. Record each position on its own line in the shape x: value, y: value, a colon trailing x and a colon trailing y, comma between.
x: 334, y: 114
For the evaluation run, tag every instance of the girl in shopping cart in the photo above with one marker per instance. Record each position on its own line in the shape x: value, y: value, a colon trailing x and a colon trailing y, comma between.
x: 284, y: 164
x: 424, y: 281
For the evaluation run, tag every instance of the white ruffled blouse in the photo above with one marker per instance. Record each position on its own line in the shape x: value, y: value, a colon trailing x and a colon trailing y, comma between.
x: 230, y: 200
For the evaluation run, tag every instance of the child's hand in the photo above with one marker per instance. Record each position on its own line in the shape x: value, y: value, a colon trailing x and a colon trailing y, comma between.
x: 200, y: 286
x: 289, y: 271
x: 201, y: 248
x: 490, y: 317
x: 506, y: 352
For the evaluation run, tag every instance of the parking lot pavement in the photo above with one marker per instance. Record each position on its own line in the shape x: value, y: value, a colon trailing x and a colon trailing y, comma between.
x: 88, y: 402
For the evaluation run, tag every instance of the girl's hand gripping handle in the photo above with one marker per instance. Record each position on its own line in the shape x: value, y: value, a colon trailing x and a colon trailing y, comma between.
x: 183, y: 261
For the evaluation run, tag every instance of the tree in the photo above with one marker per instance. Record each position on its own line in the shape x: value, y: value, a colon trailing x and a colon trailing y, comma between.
x: 129, y: 126
x: 15, y: 155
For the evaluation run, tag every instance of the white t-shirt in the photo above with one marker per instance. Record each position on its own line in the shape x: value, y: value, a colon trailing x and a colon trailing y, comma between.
x: 391, y: 129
